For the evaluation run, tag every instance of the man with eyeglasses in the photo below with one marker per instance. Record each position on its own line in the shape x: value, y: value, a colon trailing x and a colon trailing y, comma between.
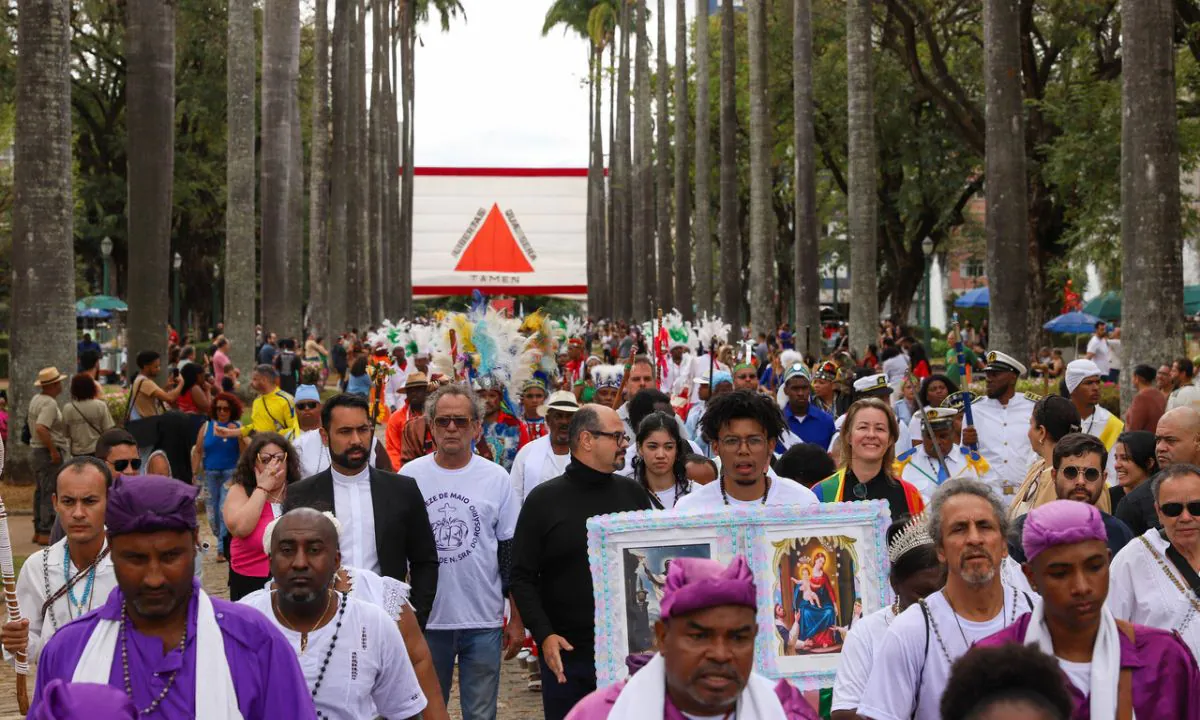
x: 805, y: 422
x: 1083, y: 379
x: 744, y: 427
x: 1078, y: 474
x: 118, y: 449
x: 1154, y: 579
x: 551, y: 577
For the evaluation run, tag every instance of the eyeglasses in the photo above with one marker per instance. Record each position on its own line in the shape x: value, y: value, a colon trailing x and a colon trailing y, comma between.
x: 123, y: 465
x: 268, y: 458
x: 307, y: 405
x: 1090, y: 474
x: 1175, y: 509
x: 733, y: 442
x: 445, y: 421
x: 617, y: 436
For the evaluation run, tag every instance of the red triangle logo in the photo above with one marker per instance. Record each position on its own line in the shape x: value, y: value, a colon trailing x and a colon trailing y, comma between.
x: 494, y: 249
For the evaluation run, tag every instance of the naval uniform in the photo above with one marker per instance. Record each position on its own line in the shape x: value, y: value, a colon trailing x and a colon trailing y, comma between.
x: 1004, y: 440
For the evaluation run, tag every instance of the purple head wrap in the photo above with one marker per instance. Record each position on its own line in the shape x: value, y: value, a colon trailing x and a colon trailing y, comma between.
x: 698, y: 584
x: 149, y: 503
x: 75, y: 701
x: 1061, y: 522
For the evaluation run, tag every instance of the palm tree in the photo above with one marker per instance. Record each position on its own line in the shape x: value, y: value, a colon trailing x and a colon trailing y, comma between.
x: 762, y: 256
x: 365, y: 287
x: 1152, y: 267
x: 860, y: 200
x: 643, y: 188
x: 623, y: 178
x: 806, y: 264
x: 276, y: 164
x: 1007, y: 221
x: 318, y: 203
x: 376, y: 179
x: 683, y: 197
x: 241, y: 280
x: 703, y: 229
x: 150, y: 122
x: 43, y: 254
x: 731, y: 261
x: 339, y: 261
x: 662, y: 180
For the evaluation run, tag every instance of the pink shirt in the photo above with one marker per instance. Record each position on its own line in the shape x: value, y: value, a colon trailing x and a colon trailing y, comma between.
x: 220, y: 365
x: 246, y: 555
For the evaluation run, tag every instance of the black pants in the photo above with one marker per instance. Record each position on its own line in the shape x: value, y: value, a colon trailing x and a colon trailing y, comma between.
x: 558, y: 699
x: 242, y: 585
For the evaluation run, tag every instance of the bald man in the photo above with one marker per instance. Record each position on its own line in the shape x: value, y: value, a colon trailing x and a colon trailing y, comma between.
x: 1176, y: 440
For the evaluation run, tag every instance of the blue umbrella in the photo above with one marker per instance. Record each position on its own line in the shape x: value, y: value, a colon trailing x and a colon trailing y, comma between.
x: 979, y: 297
x: 93, y: 314
x: 1073, y: 323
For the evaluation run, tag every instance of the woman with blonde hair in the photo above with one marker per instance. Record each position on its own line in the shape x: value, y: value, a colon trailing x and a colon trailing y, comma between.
x: 868, y: 450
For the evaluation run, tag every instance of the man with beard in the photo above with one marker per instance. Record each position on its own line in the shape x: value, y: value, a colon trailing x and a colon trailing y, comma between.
x: 546, y: 457
x: 705, y: 664
x: 1112, y: 668
x: 310, y: 448
x: 744, y: 426
x: 551, y: 575
x: 1154, y: 579
x: 1183, y: 391
x: 1176, y: 440
x: 353, y: 656
x: 388, y: 529
x: 415, y: 390
x: 1001, y: 426
x: 176, y: 652
x: 1078, y: 474
x: 805, y: 422
x: 1083, y: 386
x: 968, y: 526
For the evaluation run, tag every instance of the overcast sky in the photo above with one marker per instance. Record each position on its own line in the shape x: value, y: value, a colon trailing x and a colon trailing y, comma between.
x: 494, y: 93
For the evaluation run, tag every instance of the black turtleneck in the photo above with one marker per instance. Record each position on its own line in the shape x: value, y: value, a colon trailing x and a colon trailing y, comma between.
x: 551, y: 579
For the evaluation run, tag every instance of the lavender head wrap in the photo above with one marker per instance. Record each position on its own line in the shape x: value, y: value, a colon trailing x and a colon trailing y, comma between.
x: 149, y: 503
x: 76, y: 701
x: 1061, y: 522
x: 698, y: 584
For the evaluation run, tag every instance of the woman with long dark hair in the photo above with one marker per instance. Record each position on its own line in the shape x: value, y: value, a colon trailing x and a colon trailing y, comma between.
x: 660, y: 465
x: 253, y: 500
x: 1134, y: 461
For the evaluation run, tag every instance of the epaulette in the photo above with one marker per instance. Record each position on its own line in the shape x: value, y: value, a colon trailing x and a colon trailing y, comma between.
x: 902, y: 461
x: 906, y: 454
x: 1032, y: 397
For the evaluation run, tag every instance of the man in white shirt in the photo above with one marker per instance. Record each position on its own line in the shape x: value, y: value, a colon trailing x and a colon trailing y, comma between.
x: 75, y: 573
x: 473, y: 512
x: 921, y: 466
x: 640, y: 376
x: 548, y: 456
x: 393, y: 392
x: 1098, y: 350
x: 1186, y: 393
x: 1083, y: 378
x: 351, y: 653
x: 912, y: 665
x: 745, y: 426
x: 310, y: 448
x: 1002, y: 425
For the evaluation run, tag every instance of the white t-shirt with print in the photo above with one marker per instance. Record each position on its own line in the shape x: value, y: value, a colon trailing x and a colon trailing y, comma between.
x: 471, y: 510
x: 782, y: 492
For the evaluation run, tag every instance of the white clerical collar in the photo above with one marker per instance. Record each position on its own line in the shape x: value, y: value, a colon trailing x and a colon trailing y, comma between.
x: 359, y: 477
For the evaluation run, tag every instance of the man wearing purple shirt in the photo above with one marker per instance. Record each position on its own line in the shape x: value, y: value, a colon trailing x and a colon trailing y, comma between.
x: 159, y: 631
x: 1110, y: 667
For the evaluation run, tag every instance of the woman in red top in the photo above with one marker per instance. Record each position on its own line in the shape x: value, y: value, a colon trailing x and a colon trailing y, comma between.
x: 918, y: 360
x: 871, y: 359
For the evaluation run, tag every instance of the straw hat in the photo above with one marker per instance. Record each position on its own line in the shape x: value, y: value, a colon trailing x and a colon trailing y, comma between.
x: 49, y: 376
x: 415, y: 380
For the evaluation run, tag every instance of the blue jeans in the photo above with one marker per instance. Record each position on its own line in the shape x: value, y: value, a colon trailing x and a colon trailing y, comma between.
x: 215, y: 481
x: 478, y: 653
x: 558, y: 699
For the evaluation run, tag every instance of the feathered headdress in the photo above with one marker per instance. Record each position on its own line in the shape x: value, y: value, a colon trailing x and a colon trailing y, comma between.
x: 678, y: 330
x: 538, y: 365
x: 607, y: 376
x: 709, y: 327
x: 499, y: 346
x: 423, y: 340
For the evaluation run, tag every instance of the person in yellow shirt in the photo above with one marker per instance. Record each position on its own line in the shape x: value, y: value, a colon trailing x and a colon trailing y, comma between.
x: 273, y: 409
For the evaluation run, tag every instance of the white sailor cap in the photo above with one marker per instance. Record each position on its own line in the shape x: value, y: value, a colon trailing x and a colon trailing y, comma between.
x: 937, y: 416
x: 999, y: 362
x: 871, y: 384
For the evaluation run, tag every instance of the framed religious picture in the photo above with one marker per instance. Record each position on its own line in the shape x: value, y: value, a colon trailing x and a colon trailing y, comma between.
x: 818, y: 571
x: 630, y: 555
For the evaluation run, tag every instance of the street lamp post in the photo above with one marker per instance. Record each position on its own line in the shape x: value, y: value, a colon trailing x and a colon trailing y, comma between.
x: 178, y: 263
x: 927, y: 250
x: 216, y: 313
x: 106, y: 248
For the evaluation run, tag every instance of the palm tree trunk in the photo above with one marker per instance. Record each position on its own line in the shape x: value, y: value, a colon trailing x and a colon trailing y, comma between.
x: 241, y: 279
x: 807, y: 249
x: 662, y: 183
x: 593, y: 285
x: 318, y: 192
x: 355, y: 287
x: 860, y: 201
x: 294, y: 300
x: 339, y: 263
x: 731, y: 261
x: 612, y: 236
x: 375, y: 166
x: 406, y: 201
x: 598, y: 257
x: 642, y: 233
x: 365, y: 289
x: 762, y: 256
x: 1007, y: 221
x: 703, y: 229
x: 150, y: 121
x: 683, y: 196
x: 396, y: 254
x: 1151, y: 236
x: 624, y: 177
x: 276, y: 162
x: 43, y: 251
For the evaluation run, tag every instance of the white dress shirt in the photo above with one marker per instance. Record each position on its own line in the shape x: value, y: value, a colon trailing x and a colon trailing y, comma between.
x: 1004, y: 441
x: 355, y: 510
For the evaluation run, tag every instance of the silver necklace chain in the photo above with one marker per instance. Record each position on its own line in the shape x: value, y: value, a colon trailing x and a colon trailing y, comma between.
x: 966, y: 643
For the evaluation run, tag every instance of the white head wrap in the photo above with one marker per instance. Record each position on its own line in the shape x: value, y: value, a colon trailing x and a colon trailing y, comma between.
x: 1080, y: 370
x: 269, y: 530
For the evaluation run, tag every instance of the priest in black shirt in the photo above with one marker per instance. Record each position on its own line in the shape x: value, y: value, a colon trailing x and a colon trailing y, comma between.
x: 551, y: 579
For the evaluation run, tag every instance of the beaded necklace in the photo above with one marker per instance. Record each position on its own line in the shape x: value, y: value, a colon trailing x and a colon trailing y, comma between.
x: 69, y: 584
x: 329, y: 654
x: 966, y: 643
x: 72, y: 603
x: 125, y: 666
x: 303, y: 633
x: 766, y: 490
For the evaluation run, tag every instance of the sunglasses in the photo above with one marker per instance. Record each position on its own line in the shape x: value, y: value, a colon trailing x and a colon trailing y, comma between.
x: 224, y: 408
x: 123, y: 465
x: 1175, y: 509
x: 445, y: 422
x: 1071, y: 472
x: 308, y: 405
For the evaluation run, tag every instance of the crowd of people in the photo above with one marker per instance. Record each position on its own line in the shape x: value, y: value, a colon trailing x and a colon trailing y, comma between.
x: 414, y: 499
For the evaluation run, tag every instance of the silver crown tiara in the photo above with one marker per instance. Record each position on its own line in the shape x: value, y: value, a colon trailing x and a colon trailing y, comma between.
x: 913, y: 535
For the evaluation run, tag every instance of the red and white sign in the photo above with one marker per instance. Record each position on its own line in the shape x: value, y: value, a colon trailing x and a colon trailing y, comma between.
x: 503, y: 231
